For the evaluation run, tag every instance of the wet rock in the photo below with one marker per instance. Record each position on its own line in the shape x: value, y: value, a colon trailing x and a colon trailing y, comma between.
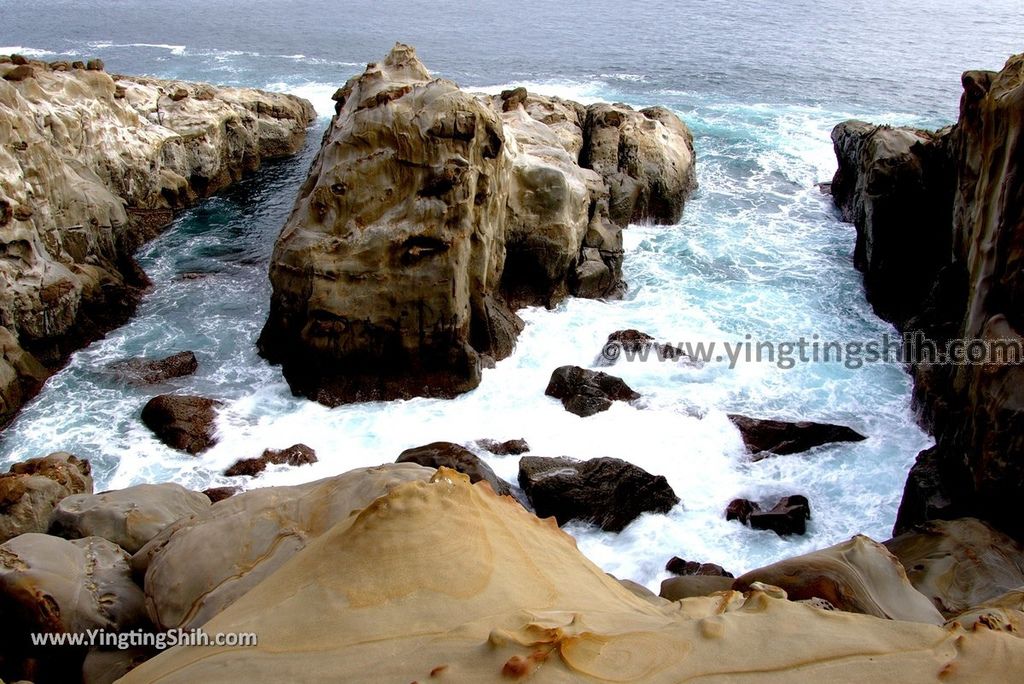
x: 154, y: 371
x: 633, y: 345
x: 183, y: 422
x: 49, y: 584
x: 295, y: 455
x: 858, y: 576
x: 959, y: 564
x: 438, y: 454
x: 512, y: 447
x: 689, y: 586
x: 128, y: 517
x: 678, y: 566
x: 788, y: 516
x: 606, y: 492
x: 200, y: 565
x: 215, y: 494
x: 586, y: 392
x: 740, y: 509
x: 30, y: 490
x: 764, y: 437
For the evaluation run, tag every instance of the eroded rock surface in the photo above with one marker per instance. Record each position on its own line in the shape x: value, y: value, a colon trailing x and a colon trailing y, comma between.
x: 31, y: 489
x: 438, y: 454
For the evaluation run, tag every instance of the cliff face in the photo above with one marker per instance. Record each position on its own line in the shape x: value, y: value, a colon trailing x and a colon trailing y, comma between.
x: 940, y: 221
x: 91, y: 166
x: 431, y: 213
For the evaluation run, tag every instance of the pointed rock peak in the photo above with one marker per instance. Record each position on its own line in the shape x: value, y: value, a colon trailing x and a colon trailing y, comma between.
x: 403, y: 60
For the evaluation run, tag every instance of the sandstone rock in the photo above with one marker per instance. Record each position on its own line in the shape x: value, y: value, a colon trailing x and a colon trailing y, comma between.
x: 21, y: 376
x: 648, y: 180
x: 200, y: 565
x: 512, y: 447
x: 635, y: 345
x: 215, y: 494
x: 678, y: 566
x: 182, y: 421
x: 95, y: 65
x: 586, y: 392
x: 31, y: 489
x: 19, y: 60
x: 128, y: 517
x: 78, y: 64
x: 858, y: 576
x: 458, y: 458
x: 48, y: 584
x: 1004, y: 613
x: 764, y: 437
x: 107, y: 666
x: 19, y: 73
x: 689, y: 586
x: 295, y: 455
x: 512, y: 98
x: 79, y: 212
x: 155, y: 371
x: 606, y: 492
x: 959, y: 564
x: 478, y: 590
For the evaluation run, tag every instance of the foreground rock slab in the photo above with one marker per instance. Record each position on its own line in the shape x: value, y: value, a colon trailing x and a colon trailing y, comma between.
x: 607, y: 492
x: 764, y: 438
x: 483, y: 591
x: 586, y: 392
x: 456, y: 457
x: 32, y: 489
x: 858, y: 576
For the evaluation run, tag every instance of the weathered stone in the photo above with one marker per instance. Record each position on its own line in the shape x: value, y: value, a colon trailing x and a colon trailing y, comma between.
x: 689, y: 586
x: 19, y: 73
x: 95, y: 65
x: 154, y: 371
x: 438, y: 454
x: 182, y: 421
x: 586, y: 392
x: 31, y: 489
x: 607, y: 492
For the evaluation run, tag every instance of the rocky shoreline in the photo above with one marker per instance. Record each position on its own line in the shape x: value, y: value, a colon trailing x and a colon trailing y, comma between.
x: 428, y: 216
x: 93, y: 165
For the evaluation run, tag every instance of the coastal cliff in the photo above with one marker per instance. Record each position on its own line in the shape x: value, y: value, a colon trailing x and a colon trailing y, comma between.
x: 92, y: 165
x: 431, y: 213
x: 940, y: 223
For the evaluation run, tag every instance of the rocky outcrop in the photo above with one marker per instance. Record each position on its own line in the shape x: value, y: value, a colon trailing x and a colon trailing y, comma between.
x: 182, y: 421
x: 689, y: 586
x: 30, y: 490
x: 958, y: 194
x: 483, y: 591
x: 91, y: 166
x: 959, y: 564
x: 200, y: 565
x: 155, y: 371
x: 48, y: 584
x: 764, y: 437
x: 606, y: 492
x: 586, y: 392
x: 431, y: 213
x: 788, y: 516
x: 21, y: 375
x: 858, y: 576
x: 448, y: 455
x: 295, y: 455
x: 128, y: 517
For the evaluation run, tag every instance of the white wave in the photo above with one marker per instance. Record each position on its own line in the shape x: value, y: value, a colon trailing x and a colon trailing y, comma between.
x: 631, y: 78
x: 104, y: 44
x: 317, y: 93
x: 27, y: 51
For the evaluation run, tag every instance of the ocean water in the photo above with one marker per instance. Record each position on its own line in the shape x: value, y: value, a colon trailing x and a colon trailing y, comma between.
x: 759, y: 252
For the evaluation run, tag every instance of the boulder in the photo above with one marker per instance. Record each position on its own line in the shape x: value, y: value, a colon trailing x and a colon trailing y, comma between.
x: 634, y: 345
x: 959, y: 564
x: 859, y: 576
x: 678, y: 566
x: 689, y: 586
x: 295, y: 455
x: 155, y: 371
x: 182, y: 422
x: 586, y: 392
x: 48, y: 584
x: 607, y: 492
x: 30, y: 490
x: 1004, y: 613
x: 764, y: 437
x: 512, y: 447
x: 740, y: 509
x: 438, y: 454
x: 95, y: 65
x: 20, y: 73
x: 18, y: 60
x: 788, y: 516
x: 199, y: 565
x: 128, y: 517
x: 215, y: 494
x: 443, y: 580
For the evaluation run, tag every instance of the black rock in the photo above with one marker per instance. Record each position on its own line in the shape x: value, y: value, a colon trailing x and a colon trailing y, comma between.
x: 635, y: 345
x: 678, y: 566
x: 295, y: 455
x: 153, y: 371
x: 607, y: 492
x: 458, y: 458
x: 513, y: 447
x: 788, y: 516
x: 182, y: 421
x: 586, y: 392
x: 765, y: 437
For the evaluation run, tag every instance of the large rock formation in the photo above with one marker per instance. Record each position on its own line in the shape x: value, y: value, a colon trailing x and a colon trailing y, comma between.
x: 31, y: 489
x: 946, y: 210
x: 445, y: 581
x: 91, y: 166
x: 430, y: 213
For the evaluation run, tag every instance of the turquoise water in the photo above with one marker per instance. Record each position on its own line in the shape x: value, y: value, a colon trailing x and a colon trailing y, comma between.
x: 759, y: 252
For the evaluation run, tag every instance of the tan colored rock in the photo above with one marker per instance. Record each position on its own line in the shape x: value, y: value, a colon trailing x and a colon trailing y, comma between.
x: 858, y: 576
x: 21, y: 376
x: 32, y: 489
x: 959, y: 564
x: 200, y: 565
x: 444, y: 580
x: 128, y: 517
x: 86, y: 177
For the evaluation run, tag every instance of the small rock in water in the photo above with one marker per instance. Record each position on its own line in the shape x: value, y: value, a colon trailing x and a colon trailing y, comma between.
x: 512, y: 447
x: 153, y: 371
x: 764, y: 437
x: 788, y: 516
x: 678, y: 566
x: 183, y: 422
x: 586, y: 392
x: 295, y: 455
